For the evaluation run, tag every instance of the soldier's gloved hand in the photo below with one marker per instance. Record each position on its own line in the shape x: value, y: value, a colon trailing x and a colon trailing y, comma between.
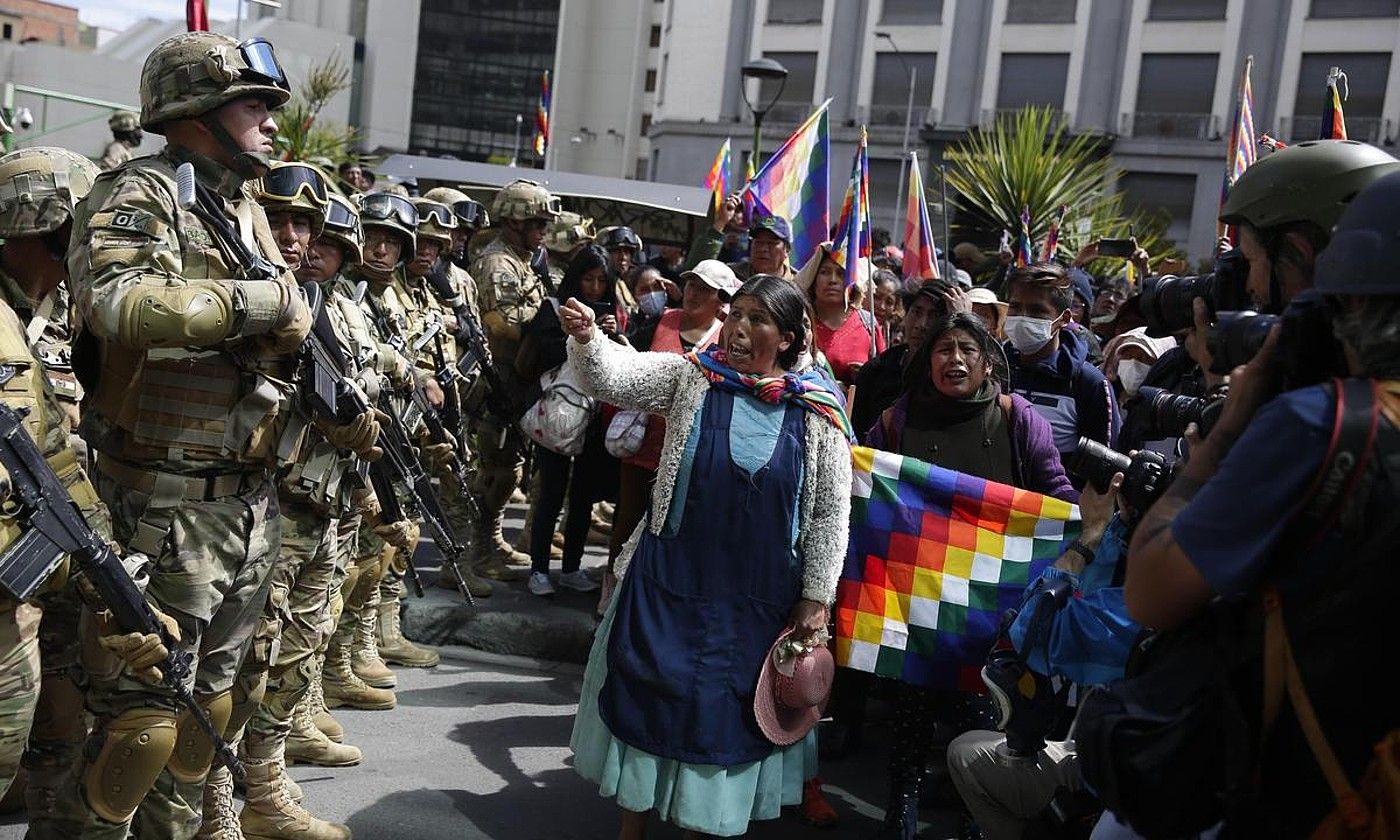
x: 359, y: 435
x: 402, y: 535
x: 440, y: 457
x: 292, y: 326
x: 142, y: 652
x: 4, y: 483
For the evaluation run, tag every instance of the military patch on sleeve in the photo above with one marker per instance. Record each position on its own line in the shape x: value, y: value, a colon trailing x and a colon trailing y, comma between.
x: 130, y: 220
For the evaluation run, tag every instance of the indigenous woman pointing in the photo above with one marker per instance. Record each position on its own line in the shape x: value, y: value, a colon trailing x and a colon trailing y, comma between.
x: 746, y: 536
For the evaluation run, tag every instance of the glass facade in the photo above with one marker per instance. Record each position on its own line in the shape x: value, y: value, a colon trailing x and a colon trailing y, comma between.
x: 480, y: 63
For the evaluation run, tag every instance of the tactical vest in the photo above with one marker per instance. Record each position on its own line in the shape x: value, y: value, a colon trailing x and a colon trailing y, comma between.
x: 223, y: 407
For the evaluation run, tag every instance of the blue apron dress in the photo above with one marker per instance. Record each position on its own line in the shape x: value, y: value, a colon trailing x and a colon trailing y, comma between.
x: 671, y: 678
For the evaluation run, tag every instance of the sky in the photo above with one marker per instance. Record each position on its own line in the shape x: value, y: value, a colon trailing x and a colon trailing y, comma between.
x: 116, y: 15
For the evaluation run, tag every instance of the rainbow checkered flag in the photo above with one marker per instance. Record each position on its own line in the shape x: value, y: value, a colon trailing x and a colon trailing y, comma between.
x: 794, y: 182
x: 853, y: 227
x: 934, y: 559
x: 717, y: 179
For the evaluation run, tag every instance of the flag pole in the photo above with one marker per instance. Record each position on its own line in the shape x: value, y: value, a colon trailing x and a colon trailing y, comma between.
x: 1222, y: 229
x: 943, y: 190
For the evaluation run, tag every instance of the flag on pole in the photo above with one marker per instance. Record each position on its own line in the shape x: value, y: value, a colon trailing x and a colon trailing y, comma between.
x: 1273, y: 144
x: 1242, y: 151
x: 794, y: 183
x: 1334, y: 122
x: 853, y: 227
x: 196, y: 16
x: 1024, y: 254
x: 717, y: 179
x: 934, y: 559
x: 542, y: 117
x: 919, y: 264
x: 1052, y: 239
x: 749, y: 211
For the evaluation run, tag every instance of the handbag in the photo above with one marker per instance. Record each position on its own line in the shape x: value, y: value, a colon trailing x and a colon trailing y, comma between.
x: 559, y: 419
x: 626, y: 433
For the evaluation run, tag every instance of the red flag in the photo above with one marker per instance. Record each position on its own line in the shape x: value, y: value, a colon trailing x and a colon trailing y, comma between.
x: 196, y: 16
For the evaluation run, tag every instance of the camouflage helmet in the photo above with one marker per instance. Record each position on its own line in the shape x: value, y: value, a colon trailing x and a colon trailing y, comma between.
x: 39, y: 188
x: 445, y: 195
x: 343, y: 227
x: 392, y: 212
x: 524, y: 200
x: 1311, y: 181
x: 567, y: 231
x: 436, y: 222
x: 192, y: 73
x: 123, y: 121
x: 294, y: 187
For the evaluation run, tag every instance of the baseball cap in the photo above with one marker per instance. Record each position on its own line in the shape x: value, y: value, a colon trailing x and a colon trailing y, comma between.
x: 776, y: 225
x: 982, y: 294
x: 1082, y: 284
x: 717, y: 276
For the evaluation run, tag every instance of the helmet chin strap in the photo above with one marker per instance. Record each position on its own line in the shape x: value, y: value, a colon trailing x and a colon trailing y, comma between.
x: 247, y: 165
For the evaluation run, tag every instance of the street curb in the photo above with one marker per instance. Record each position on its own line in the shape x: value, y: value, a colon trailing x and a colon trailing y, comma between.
x: 472, y: 656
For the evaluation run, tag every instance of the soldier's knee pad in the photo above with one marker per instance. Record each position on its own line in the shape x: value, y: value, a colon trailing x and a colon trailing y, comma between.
x: 138, y: 744
x: 193, y: 753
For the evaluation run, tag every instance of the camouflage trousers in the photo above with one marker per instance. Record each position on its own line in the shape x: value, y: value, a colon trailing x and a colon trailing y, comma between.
x: 502, y: 464
x: 360, y: 592
x: 60, y: 722
x: 304, y: 583
x: 19, y: 684
x: 212, y: 577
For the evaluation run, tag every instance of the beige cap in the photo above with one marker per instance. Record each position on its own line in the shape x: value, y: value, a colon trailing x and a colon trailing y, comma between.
x: 717, y: 276
x: 982, y: 294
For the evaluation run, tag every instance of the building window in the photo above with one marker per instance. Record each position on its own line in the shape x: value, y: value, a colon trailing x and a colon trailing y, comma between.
x: 1032, y: 79
x: 1187, y: 10
x: 651, y: 81
x: 646, y: 124
x: 1174, y: 96
x: 1040, y: 11
x: 1354, y: 8
x: 7, y: 32
x: 656, y: 36
x: 801, y: 81
x: 1366, y: 77
x: 889, y: 95
x: 1162, y: 192
x: 911, y: 12
x: 795, y: 11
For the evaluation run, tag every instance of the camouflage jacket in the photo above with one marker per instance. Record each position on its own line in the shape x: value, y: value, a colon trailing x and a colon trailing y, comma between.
x: 115, y: 155
x: 49, y: 327
x: 509, y: 294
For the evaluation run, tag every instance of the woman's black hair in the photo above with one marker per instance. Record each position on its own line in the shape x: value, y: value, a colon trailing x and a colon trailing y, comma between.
x: 785, y: 303
x: 587, y: 259
x: 917, y: 369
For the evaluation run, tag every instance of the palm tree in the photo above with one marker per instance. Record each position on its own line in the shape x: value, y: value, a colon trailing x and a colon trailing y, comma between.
x: 302, y: 135
x: 1028, y: 160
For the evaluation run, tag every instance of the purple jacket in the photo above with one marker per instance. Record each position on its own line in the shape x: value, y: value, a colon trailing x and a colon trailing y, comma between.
x: 1035, y: 460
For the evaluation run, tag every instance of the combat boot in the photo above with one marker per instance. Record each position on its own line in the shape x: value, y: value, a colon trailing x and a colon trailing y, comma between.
x: 392, y: 644
x: 293, y: 789
x: 308, y: 745
x: 365, y: 658
x: 220, y: 817
x: 491, y: 545
x: 270, y: 814
x: 479, y: 588
x: 342, y: 688
x: 315, y: 701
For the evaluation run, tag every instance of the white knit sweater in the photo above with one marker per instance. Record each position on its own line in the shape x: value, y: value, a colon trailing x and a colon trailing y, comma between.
x: 669, y: 385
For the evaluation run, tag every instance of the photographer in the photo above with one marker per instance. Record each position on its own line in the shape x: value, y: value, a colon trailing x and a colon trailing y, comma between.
x: 1238, y: 522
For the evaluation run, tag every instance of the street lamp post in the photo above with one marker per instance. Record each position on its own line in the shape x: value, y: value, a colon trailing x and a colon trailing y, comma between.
x: 515, y: 153
x: 763, y: 69
x: 908, y: 122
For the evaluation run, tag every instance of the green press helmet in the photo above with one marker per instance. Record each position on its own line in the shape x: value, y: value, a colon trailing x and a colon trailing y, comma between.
x: 1311, y: 181
x: 123, y: 121
x: 192, y: 73
x: 524, y: 200
x: 39, y: 188
x: 294, y: 187
x: 343, y: 227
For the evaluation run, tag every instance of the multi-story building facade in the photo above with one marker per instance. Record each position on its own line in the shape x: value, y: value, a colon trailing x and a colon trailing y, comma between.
x: 1156, y: 79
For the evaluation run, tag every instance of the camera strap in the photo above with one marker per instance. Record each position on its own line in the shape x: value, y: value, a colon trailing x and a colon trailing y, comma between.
x: 1354, y: 428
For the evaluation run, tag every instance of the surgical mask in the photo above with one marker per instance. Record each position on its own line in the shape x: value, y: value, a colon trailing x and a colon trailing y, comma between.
x: 1028, y: 335
x: 652, y: 303
x: 1131, y: 374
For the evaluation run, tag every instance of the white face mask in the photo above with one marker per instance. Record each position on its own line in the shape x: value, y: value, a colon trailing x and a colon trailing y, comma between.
x: 1028, y: 335
x: 1131, y: 374
x: 652, y: 303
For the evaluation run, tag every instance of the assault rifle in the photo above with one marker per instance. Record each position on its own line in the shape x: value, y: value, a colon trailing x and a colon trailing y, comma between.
x: 56, y: 528
x: 501, y: 401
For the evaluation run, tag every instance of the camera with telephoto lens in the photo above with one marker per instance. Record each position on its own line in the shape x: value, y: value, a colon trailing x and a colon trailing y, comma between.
x: 1167, y: 301
x: 1307, y: 352
x: 1168, y: 414
x: 1145, y: 475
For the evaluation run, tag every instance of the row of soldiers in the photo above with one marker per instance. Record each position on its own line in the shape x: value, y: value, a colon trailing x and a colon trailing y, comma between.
x: 159, y: 334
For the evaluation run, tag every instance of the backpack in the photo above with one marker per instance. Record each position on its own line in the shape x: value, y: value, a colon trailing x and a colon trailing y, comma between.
x: 559, y: 419
x: 1171, y: 748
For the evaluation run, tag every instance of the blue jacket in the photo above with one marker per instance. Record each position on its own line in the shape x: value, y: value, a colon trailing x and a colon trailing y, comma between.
x: 1069, y: 392
x: 1088, y: 641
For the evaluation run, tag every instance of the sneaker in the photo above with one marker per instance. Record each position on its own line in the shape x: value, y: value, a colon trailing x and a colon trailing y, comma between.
x: 540, y: 584
x: 579, y: 581
x: 815, y: 810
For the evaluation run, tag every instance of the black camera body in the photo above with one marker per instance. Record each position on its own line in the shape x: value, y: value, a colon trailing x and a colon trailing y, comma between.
x: 1167, y: 301
x: 1307, y: 352
x: 1168, y: 414
x: 1146, y: 475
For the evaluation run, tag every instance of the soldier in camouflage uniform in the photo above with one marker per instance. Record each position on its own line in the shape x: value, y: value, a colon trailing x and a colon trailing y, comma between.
x: 352, y: 657
x: 566, y: 235
x: 510, y: 294
x: 126, y: 136
x: 189, y: 416
x: 38, y: 190
x: 312, y: 495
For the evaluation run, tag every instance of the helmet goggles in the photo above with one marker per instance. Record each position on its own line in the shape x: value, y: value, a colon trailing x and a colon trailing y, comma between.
x: 286, y: 182
x: 384, y: 207
x: 262, y: 64
x: 439, y: 214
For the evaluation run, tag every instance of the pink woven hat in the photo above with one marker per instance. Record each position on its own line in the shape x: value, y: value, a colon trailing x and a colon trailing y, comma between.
x: 792, y: 689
